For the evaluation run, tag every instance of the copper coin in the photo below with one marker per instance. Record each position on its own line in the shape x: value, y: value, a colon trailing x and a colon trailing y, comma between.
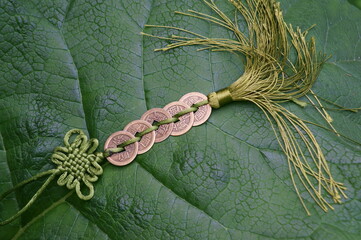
x: 158, y: 114
x: 185, y: 122
x: 203, y: 112
x: 147, y: 140
x: 125, y: 157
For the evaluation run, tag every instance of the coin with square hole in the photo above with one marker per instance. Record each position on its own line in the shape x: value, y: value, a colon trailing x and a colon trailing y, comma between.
x: 159, y: 114
x: 125, y: 157
x: 203, y: 112
x: 147, y: 141
x: 185, y: 122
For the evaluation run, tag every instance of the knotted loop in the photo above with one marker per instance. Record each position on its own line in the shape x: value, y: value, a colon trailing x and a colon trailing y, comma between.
x: 220, y: 98
x: 78, y: 163
x: 79, y: 140
x: 78, y: 167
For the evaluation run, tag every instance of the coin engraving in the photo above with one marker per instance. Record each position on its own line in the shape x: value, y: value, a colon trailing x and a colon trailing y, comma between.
x: 203, y: 112
x: 185, y: 122
x: 147, y: 141
x: 125, y: 157
x: 158, y: 114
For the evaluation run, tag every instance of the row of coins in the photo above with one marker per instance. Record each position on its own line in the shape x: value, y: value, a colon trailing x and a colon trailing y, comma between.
x: 183, y: 125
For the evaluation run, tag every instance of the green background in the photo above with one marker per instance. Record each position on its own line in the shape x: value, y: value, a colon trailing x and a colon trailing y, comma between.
x: 83, y: 64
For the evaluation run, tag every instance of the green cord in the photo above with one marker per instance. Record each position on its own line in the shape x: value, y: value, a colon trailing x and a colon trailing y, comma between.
x: 78, y: 167
x: 78, y: 163
x: 155, y: 126
x: 53, y: 173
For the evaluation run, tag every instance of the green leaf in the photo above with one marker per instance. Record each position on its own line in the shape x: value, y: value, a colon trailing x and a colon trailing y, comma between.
x: 83, y: 64
x: 357, y: 3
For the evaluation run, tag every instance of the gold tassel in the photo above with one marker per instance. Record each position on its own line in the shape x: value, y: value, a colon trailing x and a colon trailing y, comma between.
x: 270, y: 78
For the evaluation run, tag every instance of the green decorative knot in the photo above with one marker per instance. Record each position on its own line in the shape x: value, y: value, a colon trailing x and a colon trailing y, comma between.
x: 78, y: 163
